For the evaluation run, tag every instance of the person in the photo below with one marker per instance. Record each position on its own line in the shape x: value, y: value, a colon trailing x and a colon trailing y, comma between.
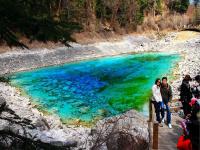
x: 184, y: 142
x: 194, y: 124
x: 166, y: 93
x: 196, y: 87
x: 190, y: 140
x: 157, y: 99
x: 186, y: 94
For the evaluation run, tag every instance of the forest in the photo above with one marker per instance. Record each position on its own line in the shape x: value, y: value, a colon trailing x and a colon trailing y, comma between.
x: 56, y: 20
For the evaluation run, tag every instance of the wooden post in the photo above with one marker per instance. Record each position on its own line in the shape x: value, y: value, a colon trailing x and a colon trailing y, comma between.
x: 150, y: 122
x: 150, y: 134
x: 150, y: 111
x: 155, y: 136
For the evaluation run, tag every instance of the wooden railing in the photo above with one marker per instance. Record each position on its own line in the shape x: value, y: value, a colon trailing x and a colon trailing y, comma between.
x: 153, y: 127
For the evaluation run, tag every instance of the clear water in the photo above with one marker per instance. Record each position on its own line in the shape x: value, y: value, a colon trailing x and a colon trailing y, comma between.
x: 94, y: 89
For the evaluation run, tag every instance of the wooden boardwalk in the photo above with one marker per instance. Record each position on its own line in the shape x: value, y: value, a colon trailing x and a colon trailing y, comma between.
x: 167, y: 138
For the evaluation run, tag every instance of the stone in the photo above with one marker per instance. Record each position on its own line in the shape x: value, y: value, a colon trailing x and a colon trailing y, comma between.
x: 84, y: 109
x: 2, y: 103
x: 64, y: 144
x: 42, y: 124
x: 129, y: 131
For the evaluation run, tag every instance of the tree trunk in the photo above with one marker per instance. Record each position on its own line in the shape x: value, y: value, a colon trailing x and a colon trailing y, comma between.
x: 130, y: 14
x: 113, y: 22
x: 58, y: 8
x: 90, y: 16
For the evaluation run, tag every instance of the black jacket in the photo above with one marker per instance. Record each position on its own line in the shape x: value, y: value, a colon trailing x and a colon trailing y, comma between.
x: 185, y: 93
x: 166, y: 93
x: 196, y: 91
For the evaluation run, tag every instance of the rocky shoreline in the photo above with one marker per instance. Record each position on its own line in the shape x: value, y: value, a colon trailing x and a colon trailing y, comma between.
x: 49, y: 129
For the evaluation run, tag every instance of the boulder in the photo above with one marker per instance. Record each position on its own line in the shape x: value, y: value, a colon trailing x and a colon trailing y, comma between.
x: 18, y: 135
x: 126, y: 131
x: 2, y: 103
x: 42, y: 124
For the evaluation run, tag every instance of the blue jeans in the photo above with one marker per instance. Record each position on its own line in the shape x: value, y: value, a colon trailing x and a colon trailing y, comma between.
x: 158, y: 110
x: 168, y: 112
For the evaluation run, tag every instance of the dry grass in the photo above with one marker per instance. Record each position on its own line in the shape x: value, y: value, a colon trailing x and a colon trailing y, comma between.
x: 186, y: 35
x: 167, y: 21
x: 152, y: 25
x: 32, y: 45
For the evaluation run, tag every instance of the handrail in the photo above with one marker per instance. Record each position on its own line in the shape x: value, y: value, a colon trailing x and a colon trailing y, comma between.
x: 154, y: 134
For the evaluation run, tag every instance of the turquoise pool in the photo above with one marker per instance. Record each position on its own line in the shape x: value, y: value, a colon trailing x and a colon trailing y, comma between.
x: 91, y: 90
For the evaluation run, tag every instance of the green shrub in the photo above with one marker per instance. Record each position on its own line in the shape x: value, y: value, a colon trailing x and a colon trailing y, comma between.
x: 179, y: 6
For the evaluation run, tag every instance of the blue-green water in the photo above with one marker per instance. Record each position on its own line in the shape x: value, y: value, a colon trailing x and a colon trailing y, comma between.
x: 93, y: 89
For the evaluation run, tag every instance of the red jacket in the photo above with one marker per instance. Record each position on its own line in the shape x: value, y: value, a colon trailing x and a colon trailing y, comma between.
x: 184, y: 144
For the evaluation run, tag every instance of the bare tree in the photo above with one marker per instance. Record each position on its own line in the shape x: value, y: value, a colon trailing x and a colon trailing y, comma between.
x: 113, y: 22
x: 115, y: 135
x: 90, y: 15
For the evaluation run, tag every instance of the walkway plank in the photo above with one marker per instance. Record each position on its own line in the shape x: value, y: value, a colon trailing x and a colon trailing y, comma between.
x: 167, y: 138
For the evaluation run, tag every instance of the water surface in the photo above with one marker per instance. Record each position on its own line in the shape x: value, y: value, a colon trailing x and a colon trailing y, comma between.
x: 93, y: 89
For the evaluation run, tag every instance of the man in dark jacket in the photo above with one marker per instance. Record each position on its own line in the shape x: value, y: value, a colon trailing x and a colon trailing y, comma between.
x: 186, y: 94
x: 166, y: 93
